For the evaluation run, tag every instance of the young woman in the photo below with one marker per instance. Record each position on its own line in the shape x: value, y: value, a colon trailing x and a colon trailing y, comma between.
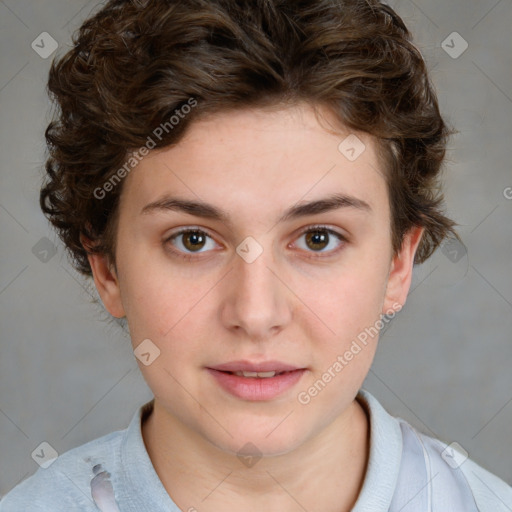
x: 249, y: 184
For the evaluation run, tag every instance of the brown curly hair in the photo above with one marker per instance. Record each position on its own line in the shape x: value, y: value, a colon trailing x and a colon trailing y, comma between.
x: 135, y: 64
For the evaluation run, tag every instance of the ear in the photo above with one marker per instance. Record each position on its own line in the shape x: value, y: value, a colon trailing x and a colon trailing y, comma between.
x: 105, y: 279
x: 400, y: 274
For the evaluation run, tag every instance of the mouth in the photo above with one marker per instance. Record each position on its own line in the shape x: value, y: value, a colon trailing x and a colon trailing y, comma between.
x: 256, y: 381
x: 244, y: 366
x: 256, y: 375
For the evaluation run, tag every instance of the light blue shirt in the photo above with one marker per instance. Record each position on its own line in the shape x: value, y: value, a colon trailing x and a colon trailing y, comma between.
x: 407, y: 472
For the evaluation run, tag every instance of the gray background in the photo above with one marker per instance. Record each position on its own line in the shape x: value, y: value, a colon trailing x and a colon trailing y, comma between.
x: 67, y: 377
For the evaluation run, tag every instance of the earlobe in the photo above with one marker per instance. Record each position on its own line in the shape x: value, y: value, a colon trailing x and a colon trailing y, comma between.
x: 400, y: 275
x: 105, y: 280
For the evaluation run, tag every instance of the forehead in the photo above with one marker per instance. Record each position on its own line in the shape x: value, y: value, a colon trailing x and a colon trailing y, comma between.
x: 261, y: 162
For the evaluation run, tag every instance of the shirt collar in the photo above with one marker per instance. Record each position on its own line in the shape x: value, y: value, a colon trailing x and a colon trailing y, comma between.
x: 384, y: 460
x: 146, y: 491
x: 376, y: 493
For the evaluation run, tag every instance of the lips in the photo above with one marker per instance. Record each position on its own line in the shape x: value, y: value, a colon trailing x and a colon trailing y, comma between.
x: 256, y: 381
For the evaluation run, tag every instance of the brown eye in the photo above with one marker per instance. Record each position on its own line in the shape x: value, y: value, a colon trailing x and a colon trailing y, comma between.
x: 193, y: 240
x: 318, y: 238
x: 189, y: 241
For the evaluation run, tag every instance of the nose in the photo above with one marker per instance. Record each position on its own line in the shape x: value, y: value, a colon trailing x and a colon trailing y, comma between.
x: 258, y: 302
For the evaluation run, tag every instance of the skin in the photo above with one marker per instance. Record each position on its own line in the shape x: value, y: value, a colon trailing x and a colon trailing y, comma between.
x: 297, y: 303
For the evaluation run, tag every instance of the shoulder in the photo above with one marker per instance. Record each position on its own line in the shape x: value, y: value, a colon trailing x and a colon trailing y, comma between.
x: 65, y: 485
x: 446, y: 478
x: 491, y: 493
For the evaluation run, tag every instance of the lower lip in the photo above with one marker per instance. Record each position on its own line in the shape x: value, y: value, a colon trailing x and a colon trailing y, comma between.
x: 254, y: 388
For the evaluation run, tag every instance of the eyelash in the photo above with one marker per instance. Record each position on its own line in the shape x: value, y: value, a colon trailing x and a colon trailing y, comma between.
x: 190, y: 256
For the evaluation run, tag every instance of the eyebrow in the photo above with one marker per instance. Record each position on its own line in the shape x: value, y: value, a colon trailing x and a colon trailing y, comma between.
x: 209, y: 211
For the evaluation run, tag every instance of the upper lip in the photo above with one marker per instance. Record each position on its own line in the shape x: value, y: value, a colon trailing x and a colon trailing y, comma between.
x: 248, y: 366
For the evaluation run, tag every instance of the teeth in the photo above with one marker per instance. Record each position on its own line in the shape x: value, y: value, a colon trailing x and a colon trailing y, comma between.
x: 263, y: 375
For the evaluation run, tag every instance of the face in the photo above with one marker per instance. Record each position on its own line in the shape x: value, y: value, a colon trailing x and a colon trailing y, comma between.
x: 286, y: 261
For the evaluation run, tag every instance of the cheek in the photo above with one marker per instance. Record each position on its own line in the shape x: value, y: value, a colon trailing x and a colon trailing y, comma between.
x: 351, y: 308
x: 170, y: 308
x: 166, y: 312
x: 351, y: 300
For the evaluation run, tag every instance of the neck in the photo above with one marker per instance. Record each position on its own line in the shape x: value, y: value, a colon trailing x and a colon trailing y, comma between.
x: 325, y: 473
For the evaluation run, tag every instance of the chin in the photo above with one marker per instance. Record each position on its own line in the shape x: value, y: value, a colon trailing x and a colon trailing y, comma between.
x: 260, y: 437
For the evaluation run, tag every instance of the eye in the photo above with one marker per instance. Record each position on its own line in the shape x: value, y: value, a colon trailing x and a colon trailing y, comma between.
x: 319, y: 237
x: 193, y: 240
